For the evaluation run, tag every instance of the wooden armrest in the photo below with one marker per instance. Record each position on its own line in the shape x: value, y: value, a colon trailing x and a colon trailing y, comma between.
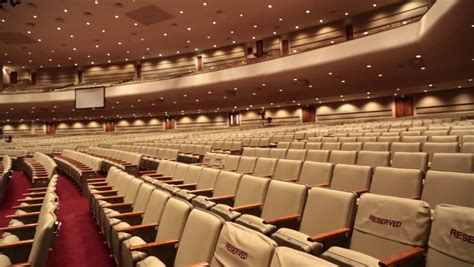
x: 172, y: 182
x: 30, y: 199
x: 221, y: 198
x: 40, y: 177
x: 246, y: 207
x: 283, y: 219
x: 267, y: 175
x: 111, y: 197
x: 127, y: 214
x: 23, y: 264
x: 199, y: 264
x: 29, y: 214
x: 292, y: 180
x: 37, y: 189
x: 329, y: 234
x: 417, y: 197
x: 404, y: 255
x: 33, y: 194
x: 16, y: 244
x: 206, y: 190
x: 245, y: 173
x: 106, y: 192
x: 28, y: 206
x: 99, y: 184
x: 19, y: 227
x: 105, y: 187
x: 152, y: 245
x: 319, y: 185
x: 96, y: 179
x: 185, y: 185
x: 118, y: 205
x: 361, y: 191
x: 155, y: 174
x: 137, y: 227
x: 146, y: 172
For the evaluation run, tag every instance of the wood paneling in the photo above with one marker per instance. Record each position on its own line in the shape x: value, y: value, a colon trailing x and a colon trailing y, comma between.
x: 453, y: 101
x: 357, y: 109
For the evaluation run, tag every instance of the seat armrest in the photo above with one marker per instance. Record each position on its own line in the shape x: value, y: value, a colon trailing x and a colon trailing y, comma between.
x: 267, y: 175
x: 361, y: 191
x: 319, y: 185
x: 30, y: 199
x: 32, y: 194
x: 37, y: 189
x: 105, y: 187
x: 173, y: 182
x: 199, y: 191
x: 292, y: 180
x: 16, y: 244
x: 155, y: 174
x: 153, y: 245
x: 199, y: 264
x: 329, y: 234
x: 185, y: 186
x: 19, y: 227
x: 404, y: 255
x: 246, y: 207
x: 98, y: 184
x: 283, y: 219
x: 118, y: 205
x: 28, y: 206
x: 137, y: 227
x: 106, y: 192
x: 29, y: 214
x: 221, y: 198
x: 127, y: 214
x: 111, y: 197
x: 96, y: 179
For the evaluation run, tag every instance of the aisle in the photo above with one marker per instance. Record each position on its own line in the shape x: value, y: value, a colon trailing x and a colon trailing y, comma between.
x: 18, y: 185
x: 79, y: 242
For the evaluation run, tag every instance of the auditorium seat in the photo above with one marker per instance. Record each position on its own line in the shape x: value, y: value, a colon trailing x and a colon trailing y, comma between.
x: 365, y: 139
x: 431, y: 148
x: 133, y: 221
x: 169, y: 233
x: 264, y: 142
x: 283, y: 206
x: 287, y: 257
x: 287, y: 170
x: 231, y: 163
x: 297, y: 145
x: 261, y: 152
x: 389, y: 139
x: 331, y: 146
x: 450, y: 242
x: 443, y: 138
x: 318, y: 155
x: 248, y: 151
x: 373, y: 158
x: 342, y: 157
x: 397, y: 182
x: 113, y: 210
x: 448, y: 188
x: 204, y: 185
x: 415, y: 139
x: 313, y: 145
x: 179, y: 175
x: 453, y: 162
x: 410, y: 160
x: 277, y: 153
x: 347, y: 140
x: 351, y: 178
x: 251, y: 192
x: 376, y: 146
x: 246, y: 165
x: 192, y: 176
x: 328, y: 215
x: 316, y: 173
x: 315, y: 139
x: 405, y: 147
x: 467, y: 147
x: 351, y: 146
x: 115, y: 192
x: 284, y: 145
x: 296, y: 154
x: 224, y: 189
x: 265, y: 167
x: 387, y: 230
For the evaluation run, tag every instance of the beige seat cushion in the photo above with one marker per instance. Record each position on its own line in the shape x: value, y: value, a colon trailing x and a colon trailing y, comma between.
x: 297, y: 240
x: 151, y: 262
x: 256, y: 223
x: 349, y: 257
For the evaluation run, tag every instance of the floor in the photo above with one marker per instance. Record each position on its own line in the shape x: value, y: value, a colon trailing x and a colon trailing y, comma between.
x: 79, y: 243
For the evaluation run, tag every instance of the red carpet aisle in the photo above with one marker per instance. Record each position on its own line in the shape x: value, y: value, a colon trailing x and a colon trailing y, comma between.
x: 18, y: 186
x: 79, y: 242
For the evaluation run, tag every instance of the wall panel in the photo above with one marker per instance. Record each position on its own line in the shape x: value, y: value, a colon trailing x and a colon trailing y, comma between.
x: 111, y: 72
x: 279, y: 116
x: 358, y: 109
x: 438, y: 102
x: 196, y: 121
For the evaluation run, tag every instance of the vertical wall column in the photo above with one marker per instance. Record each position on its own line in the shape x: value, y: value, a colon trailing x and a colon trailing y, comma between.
x: 109, y: 126
x: 199, y: 63
x: 1, y: 77
x: 138, y: 70
x: 79, y: 76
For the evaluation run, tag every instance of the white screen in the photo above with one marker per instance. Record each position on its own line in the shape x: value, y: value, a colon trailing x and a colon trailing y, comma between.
x: 90, y: 98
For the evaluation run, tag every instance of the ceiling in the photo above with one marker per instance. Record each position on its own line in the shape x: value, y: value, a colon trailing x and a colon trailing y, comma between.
x: 446, y: 55
x: 62, y: 33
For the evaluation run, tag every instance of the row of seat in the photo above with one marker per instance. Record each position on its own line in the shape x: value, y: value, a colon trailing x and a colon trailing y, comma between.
x: 32, y: 228
x: 124, y: 160
x: 6, y: 172
x: 40, y: 168
x: 282, y: 203
x: 79, y: 166
x: 461, y: 162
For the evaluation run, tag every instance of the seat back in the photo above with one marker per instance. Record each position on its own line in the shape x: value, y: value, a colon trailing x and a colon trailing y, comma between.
x: 180, y: 171
x: 343, y: 157
x: 287, y: 170
x: 240, y: 246
x: 193, y: 174
x: 207, y: 179
x: 44, y: 237
x: 226, y: 184
x: 297, y: 145
x: 132, y: 189
x: 283, y: 198
x: 336, y: 207
x: 231, y: 163
x: 199, y: 238
x: 331, y: 146
x: 155, y: 206
x: 432, y: 148
x: 351, y: 146
x: 261, y: 152
x: 453, y: 162
x: 316, y: 173
x: 443, y: 138
x: 376, y: 146
x: 277, y: 153
x: 373, y: 158
x: 405, y: 147
x: 246, y: 164
x: 248, y: 151
x: 318, y: 155
x: 296, y: 154
x: 173, y: 219
x: 351, y: 178
x: 448, y: 188
x: 449, y: 244
x: 313, y: 145
x: 251, y: 190
x: 467, y: 147
x: 386, y: 226
x: 265, y: 167
x: 410, y: 160
x: 396, y: 182
x: 143, y: 196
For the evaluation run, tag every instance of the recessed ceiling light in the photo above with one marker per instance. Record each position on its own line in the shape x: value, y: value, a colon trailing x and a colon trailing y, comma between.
x: 177, y: 52
x: 374, y: 5
x: 430, y: 85
x: 214, y: 22
x: 3, y: 20
x: 92, y: 62
x: 103, y: 30
x: 365, y: 33
x: 72, y: 35
x: 116, y: 16
x: 209, y: 92
x: 263, y: 84
x: 308, y: 11
x: 380, y: 75
x: 330, y: 73
x: 74, y: 49
x: 29, y: 32
x: 235, y: 88
x: 65, y: 10
x: 470, y: 80
x: 50, y: 59
x: 135, y: 24
x: 96, y: 46
x: 368, y: 93
x: 297, y: 27
x: 274, y: 33
x: 88, y: 56
x: 369, y: 66
x: 75, y: 64
x: 108, y: 61
x: 418, y: 56
x: 165, y: 34
x: 270, y: 6
x: 280, y: 19
x: 88, y: 23
x: 321, y: 21
x: 208, y: 37
x: 147, y: 49
x: 160, y: 55
x: 281, y: 90
x: 35, y: 17
x: 204, y: 4
x: 241, y: 15
x: 189, y: 28
x: 426, y: 91
x: 181, y: 12
x: 58, y: 28
x: 255, y: 25
x: 119, y: 43
x: 423, y: 68
x: 347, y: 13
x: 214, y: 45
x: 343, y: 81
